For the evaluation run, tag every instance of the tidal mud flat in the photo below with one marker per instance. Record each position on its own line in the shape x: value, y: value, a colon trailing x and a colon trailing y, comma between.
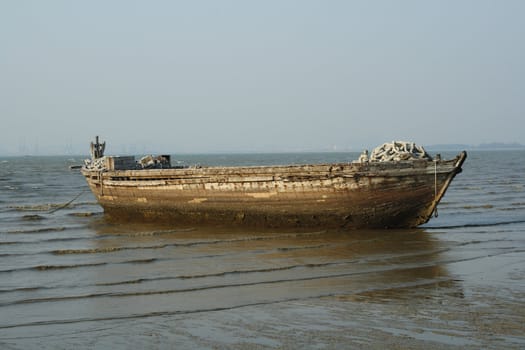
x: 326, y: 289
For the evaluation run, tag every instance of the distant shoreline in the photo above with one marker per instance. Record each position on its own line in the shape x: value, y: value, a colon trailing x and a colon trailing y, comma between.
x: 495, y: 146
x: 431, y: 149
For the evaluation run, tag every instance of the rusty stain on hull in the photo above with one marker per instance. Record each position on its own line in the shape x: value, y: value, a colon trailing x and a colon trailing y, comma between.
x: 390, y: 194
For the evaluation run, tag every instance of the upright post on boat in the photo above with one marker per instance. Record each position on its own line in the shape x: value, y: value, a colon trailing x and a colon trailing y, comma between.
x: 97, y: 149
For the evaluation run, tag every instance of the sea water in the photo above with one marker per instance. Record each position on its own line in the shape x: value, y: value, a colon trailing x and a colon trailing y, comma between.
x: 71, y: 279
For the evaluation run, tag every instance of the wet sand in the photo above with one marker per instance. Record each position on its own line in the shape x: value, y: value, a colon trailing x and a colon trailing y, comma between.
x: 155, y: 287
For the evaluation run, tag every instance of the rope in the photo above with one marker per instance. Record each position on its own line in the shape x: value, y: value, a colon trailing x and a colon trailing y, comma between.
x: 68, y: 203
x: 435, y: 188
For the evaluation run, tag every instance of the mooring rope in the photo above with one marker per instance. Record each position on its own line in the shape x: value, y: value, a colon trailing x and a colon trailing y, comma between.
x: 68, y: 203
x: 435, y: 188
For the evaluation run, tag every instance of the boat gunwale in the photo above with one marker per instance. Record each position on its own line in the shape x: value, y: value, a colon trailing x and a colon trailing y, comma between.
x: 335, y: 169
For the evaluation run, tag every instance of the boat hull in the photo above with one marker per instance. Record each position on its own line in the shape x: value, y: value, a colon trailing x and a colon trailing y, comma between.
x: 352, y: 195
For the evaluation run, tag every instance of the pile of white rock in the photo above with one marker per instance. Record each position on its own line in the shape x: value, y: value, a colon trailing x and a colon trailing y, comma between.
x: 95, y: 164
x: 395, y: 151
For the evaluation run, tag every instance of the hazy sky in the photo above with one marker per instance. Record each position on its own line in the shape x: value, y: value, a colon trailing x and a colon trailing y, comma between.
x: 208, y: 76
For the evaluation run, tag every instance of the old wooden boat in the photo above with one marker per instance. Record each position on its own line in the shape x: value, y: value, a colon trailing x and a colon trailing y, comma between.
x: 362, y: 194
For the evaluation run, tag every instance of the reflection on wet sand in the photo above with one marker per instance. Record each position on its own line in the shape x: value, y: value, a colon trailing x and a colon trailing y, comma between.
x: 130, y: 271
x: 185, y: 270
